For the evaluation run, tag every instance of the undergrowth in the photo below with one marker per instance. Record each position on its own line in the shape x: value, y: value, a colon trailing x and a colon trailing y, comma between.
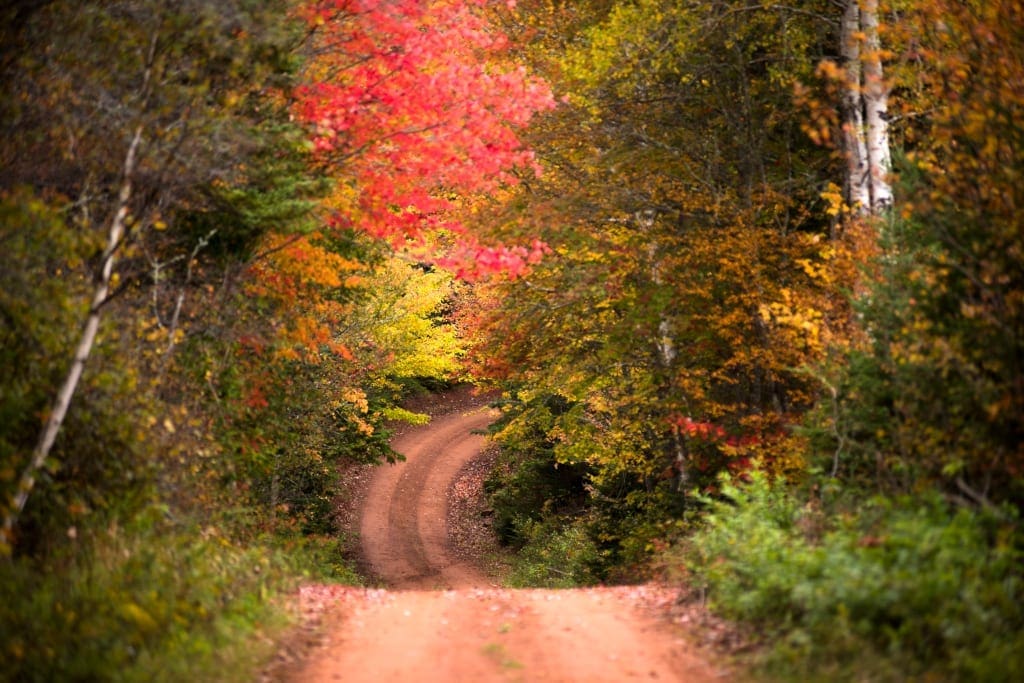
x: 883, y: 590
x: 553, y: 557
x: 154, y: 603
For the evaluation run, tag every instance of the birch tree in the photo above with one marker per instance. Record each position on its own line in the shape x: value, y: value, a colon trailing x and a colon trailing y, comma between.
x: 58, y: 411
x: 865, y: 110
x: 132, y: 117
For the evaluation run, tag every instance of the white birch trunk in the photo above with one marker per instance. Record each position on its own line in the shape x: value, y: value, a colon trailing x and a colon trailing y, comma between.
x: 858, y: 192
x: 876, y: 103
x: 665, y: 344
x: 59, y: 409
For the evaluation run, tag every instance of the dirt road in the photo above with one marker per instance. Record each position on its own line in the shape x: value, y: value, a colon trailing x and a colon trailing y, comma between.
x: 403, y: 526
x: 440, y: 620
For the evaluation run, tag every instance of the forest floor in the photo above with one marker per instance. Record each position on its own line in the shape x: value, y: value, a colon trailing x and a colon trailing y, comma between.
x: 441, y: 615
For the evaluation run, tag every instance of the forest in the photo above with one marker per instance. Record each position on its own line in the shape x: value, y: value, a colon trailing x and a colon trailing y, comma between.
x: 745, y: 277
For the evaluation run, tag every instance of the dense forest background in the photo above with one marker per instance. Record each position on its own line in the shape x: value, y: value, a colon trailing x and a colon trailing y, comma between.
x: 749, y: 275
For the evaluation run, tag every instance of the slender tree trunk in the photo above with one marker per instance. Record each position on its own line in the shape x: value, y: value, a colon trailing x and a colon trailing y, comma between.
x: 59, y: 408
x: 858, y: 193
x: 876, y: 106
x: 865, y: 104
x: 666, y: 348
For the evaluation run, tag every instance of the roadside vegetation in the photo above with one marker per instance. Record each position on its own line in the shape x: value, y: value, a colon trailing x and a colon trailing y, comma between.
x: 197, y: 331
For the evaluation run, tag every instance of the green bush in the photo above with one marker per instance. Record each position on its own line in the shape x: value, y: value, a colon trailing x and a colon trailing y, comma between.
x: 554, y: 556
x: 150, y: 603
x: 893, y: 590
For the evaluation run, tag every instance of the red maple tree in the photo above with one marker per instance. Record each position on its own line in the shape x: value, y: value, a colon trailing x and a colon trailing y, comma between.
x: 412, y: 105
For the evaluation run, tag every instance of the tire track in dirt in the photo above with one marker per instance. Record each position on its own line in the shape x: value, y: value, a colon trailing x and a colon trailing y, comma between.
x: 439, y: 621
x: 403, y: 527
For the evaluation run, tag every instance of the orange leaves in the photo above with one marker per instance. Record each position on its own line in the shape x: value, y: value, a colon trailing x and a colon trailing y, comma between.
x: 301, y: 275
x: 295, y: 265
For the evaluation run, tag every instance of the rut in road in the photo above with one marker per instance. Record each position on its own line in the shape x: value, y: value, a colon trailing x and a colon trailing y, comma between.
x: 403, y: 529
x: 440, y: 620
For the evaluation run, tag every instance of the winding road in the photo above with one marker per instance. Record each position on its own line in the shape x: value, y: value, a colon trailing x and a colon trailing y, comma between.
x: 440, y: 620
x: 403, y: 527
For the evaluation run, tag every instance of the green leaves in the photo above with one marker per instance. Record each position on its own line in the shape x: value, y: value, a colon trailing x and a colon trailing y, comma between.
x: 926, y: 592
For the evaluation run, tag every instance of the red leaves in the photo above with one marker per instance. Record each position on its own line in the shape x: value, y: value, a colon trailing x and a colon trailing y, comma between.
x: 410, y: 101
x: 256, y: 398
x: 471, y: 261
x: 705, y: 431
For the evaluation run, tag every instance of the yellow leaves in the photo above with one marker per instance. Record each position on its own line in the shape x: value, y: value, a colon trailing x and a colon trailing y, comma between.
x: 399, y: 320
x: 833, y: 196
x: 396, y: 414
x: 803, y: 324
x: 356, y: 397
x: 138, y: 617
x: 815, y: 271
x: 972, y: 310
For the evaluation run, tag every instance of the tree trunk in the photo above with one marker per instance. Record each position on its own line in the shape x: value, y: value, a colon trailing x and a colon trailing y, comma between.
x: 58, y: 411
x: 665, y: 345
x: 865, y: 103
x: 876, y: 105
x: 858, y: 193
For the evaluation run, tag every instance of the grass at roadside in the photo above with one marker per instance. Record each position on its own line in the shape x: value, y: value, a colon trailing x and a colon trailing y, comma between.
x: 156, y: 604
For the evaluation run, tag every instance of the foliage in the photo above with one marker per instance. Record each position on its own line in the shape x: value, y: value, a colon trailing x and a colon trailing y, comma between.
x: 902, y: 557
x: 893, y: 589
x: 932, y: 395
x: 691, y: 270
x: 155, y: 601
x: 95, y: 468
x: 403, y: 319
x: 412, y: 107
x: 529, y: 485
x: 256, y: 337
x: 554, y: 556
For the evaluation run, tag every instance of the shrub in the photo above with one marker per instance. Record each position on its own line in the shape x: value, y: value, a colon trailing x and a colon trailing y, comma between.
x: 554, y: 556
x: 150, y: 603
x: 898, y: 588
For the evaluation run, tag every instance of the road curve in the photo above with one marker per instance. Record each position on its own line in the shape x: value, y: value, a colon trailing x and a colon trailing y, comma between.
x: 441, y: 621
x: 403, y: 530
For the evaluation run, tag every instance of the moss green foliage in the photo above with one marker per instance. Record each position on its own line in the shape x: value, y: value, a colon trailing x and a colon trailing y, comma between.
x: 96, y: 466
x: 891, y: 589
x: 540, y: 513
x: 152, y: 602
x: 565, y: 527
x: 554, y: 556
x: 927, y: 397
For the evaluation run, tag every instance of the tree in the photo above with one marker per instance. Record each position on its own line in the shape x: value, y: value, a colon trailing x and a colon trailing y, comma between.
x: 411, y: 106
x: 865, y: 126
x: 933, y: 397
x: 128, y: 120
x: 691, y: 271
